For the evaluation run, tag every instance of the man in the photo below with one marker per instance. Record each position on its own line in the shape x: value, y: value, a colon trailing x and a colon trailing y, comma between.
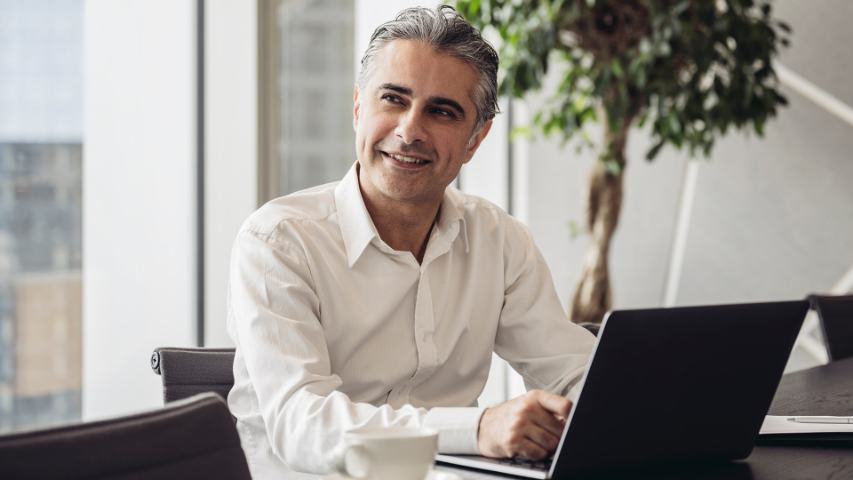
x: 378, y: 300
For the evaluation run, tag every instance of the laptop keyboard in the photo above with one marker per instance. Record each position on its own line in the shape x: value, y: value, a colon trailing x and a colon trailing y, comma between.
x: 542, y: 465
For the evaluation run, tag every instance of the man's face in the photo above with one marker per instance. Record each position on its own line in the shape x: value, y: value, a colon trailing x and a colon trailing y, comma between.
x: 414, y: 122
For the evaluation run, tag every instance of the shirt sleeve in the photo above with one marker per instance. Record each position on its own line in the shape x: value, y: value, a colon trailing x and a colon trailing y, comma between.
x: 534, y: 333
x: 275, y: 322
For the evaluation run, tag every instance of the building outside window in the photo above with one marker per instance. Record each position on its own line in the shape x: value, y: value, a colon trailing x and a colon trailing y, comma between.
x: 40, y: 211
x: 311, y: 139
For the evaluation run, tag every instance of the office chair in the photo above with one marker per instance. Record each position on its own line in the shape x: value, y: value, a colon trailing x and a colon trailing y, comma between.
x: 836, y: 322
x: 593, y: 328
x: 188, y: 371
x: 190, y: 439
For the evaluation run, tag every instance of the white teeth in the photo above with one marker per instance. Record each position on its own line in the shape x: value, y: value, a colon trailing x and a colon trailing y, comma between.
x: 405, y: 159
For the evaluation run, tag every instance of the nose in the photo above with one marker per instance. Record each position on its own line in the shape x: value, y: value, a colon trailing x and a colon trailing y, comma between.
x: 410, y: 128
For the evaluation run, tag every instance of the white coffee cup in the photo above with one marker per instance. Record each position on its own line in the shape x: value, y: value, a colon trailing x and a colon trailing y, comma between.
x: 388, y: 453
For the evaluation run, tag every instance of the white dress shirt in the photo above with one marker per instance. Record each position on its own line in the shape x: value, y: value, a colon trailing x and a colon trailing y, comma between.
x: 334, y: 329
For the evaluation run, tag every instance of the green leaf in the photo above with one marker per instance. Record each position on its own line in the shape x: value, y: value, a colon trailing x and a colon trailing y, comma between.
x: 617, y: 69
x: 694, y: 70
x: 653, y: 152
x: 612, y: 166
x: 575, y: 230
x: 674, y: 123
x: 521, y: 133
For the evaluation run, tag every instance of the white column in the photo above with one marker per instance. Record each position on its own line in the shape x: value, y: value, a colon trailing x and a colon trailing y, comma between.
x: 138, y: 196
x: 369, y: 14
x: 231, y: 144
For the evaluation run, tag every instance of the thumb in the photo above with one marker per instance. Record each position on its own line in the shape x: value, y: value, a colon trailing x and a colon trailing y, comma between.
x: 556, y: 404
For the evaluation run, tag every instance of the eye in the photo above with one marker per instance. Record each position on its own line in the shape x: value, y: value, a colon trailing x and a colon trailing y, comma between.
x: 389, y: 97
x: 443, y: 113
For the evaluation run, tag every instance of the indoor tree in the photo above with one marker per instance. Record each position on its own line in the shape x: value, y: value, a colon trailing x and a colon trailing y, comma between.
x: 688, y: 70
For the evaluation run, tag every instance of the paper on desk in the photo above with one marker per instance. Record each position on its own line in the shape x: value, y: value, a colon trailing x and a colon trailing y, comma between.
x: 779, y: 425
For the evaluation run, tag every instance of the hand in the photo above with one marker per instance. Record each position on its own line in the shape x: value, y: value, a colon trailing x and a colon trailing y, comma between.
x: 528, y: 426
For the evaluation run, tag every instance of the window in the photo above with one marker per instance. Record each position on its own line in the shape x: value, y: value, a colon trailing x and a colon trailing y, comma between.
x: 40, y: 212
x: 311, y: 61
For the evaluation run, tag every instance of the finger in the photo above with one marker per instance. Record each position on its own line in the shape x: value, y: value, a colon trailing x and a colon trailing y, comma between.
x: 556, y: 404
x: 531, y: 450
x: 543, y: 438
x: 546, y: 420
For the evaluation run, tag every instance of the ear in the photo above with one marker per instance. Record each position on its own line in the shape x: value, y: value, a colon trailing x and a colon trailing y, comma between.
x: 356, y: 107
x: 476, y: 140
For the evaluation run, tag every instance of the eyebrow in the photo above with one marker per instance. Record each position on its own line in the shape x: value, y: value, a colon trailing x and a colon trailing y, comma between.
x: 442, y: 101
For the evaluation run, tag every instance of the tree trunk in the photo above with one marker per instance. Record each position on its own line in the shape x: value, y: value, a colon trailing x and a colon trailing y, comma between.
x: 592, y: 297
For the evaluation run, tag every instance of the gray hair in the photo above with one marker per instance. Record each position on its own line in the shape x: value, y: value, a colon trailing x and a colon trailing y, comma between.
x: 444, y: 29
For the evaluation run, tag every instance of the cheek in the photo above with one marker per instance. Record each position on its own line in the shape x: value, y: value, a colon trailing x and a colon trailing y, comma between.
x: 458, y: 147
x: 372, y: 127
x: 363, y: 133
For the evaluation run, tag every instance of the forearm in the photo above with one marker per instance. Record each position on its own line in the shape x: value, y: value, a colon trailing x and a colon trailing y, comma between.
x: 306, y: 431
x: 535, y: 335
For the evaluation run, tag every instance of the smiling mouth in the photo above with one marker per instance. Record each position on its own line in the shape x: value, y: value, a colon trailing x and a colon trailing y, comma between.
x: 405, y: 159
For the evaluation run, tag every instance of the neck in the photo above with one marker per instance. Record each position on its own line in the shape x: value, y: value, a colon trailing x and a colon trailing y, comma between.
x: 403, y: 226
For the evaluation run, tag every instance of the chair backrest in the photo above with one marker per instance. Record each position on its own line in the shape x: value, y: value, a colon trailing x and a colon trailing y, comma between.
x: 836, y: 321
x: 191, y: 439
x: 188, y: 371
x: 593, y: 328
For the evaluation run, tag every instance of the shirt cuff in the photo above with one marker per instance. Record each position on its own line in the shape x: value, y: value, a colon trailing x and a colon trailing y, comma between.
x: 575, y: 392
x: 457, y: 428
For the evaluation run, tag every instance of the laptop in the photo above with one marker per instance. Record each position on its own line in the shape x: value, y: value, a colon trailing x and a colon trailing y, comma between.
x: 669, y: 386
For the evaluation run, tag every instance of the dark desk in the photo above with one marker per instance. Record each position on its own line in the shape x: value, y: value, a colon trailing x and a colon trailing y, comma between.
x: 826, y: 390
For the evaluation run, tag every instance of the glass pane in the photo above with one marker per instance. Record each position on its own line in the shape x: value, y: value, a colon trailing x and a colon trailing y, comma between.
x: 314, y: 50
x: 41, y: 126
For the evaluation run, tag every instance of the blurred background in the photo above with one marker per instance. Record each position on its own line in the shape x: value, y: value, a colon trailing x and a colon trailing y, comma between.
x: 135, y: 136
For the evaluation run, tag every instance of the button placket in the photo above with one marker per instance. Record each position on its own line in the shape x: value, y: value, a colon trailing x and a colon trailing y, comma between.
x: 398, y: 394
x: 425, y: 311
x: 424, y: 321
x: 424, y: 326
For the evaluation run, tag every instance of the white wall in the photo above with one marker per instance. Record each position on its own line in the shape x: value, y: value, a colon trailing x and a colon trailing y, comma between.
x: 138, y: 196
x: 231, y: 145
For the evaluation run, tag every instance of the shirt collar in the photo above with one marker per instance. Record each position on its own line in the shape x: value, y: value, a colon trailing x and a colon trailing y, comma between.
x: 452, y: 212
x: 357, y: 228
